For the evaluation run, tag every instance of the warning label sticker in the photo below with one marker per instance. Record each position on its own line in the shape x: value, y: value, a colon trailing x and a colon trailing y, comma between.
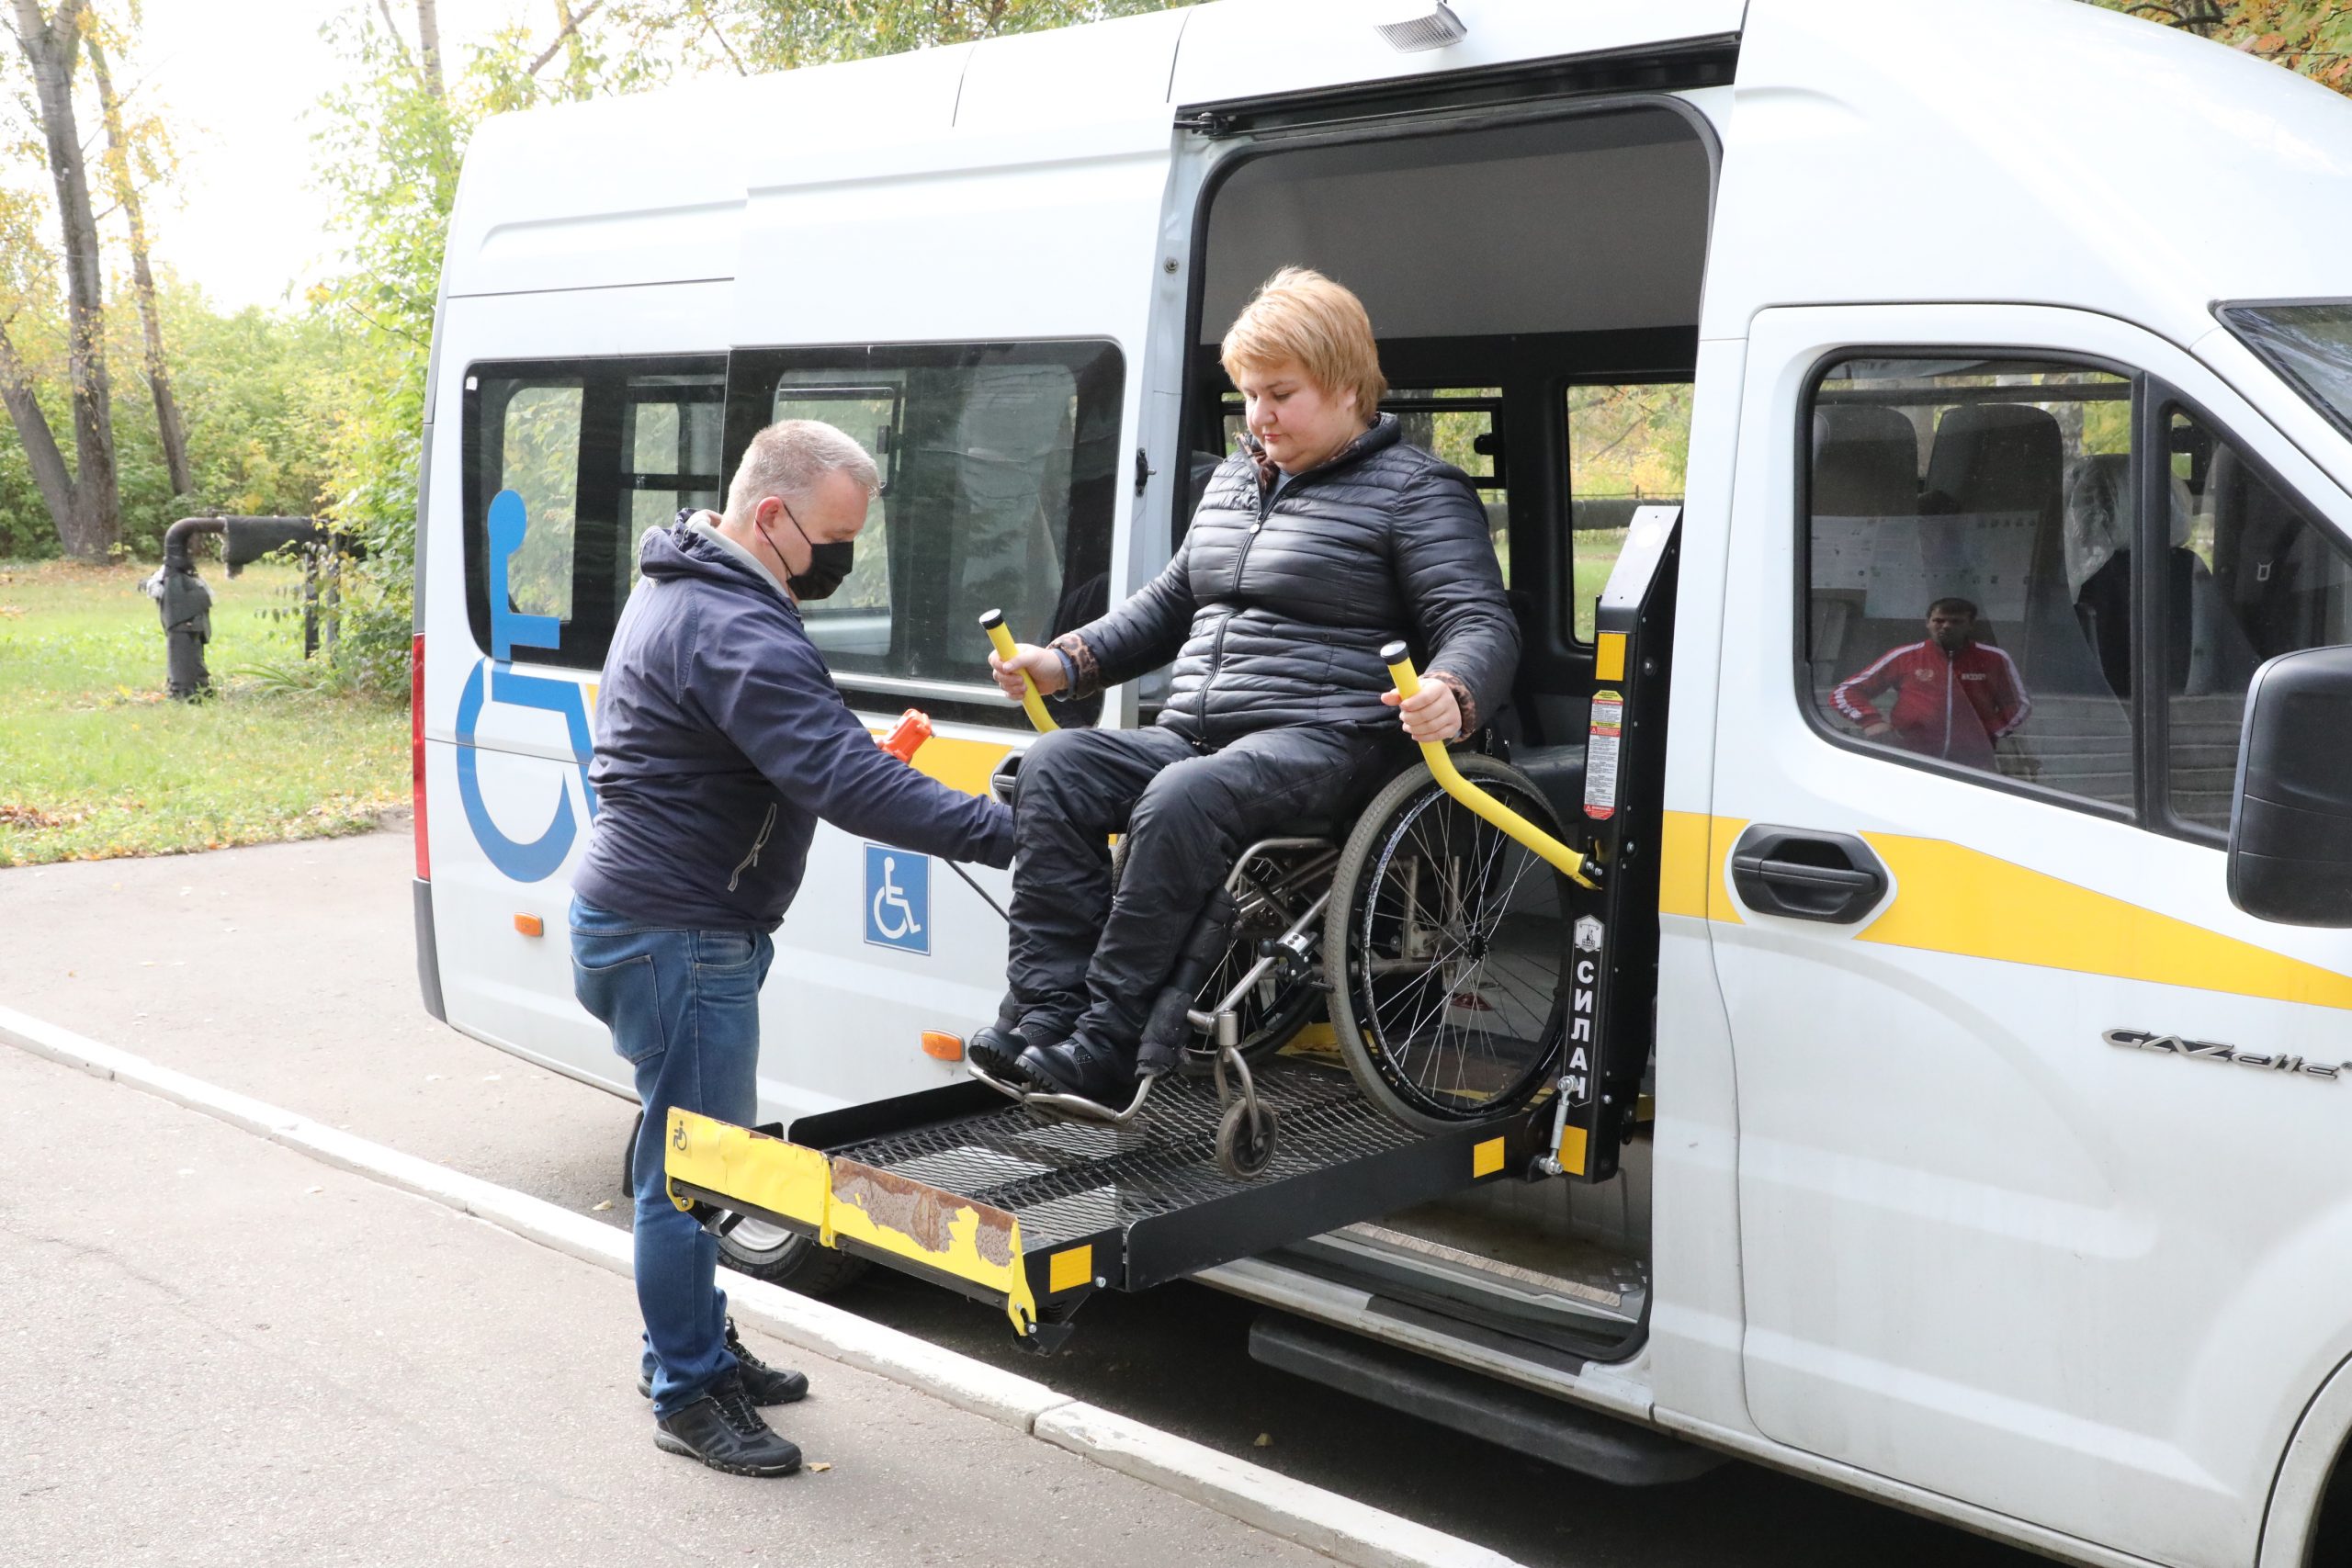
x: 1601, y: 747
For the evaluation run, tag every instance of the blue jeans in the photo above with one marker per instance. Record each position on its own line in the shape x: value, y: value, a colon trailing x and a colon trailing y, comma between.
x: 684, y: 1007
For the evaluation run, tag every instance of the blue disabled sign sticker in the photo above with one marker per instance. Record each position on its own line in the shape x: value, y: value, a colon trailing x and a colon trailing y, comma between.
x: 898, y: 899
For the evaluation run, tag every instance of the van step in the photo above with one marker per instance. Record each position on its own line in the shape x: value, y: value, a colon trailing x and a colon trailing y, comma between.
x: 957, y: 1184
x: 1585, y: 1441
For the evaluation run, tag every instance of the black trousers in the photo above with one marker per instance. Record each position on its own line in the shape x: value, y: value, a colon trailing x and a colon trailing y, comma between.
x: 1084, y: 961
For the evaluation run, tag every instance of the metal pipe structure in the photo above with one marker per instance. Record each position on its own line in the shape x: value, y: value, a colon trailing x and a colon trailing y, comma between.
x: 186, y: 604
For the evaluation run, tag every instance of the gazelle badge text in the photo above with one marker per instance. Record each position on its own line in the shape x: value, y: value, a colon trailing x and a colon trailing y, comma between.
x: 2212, y: 1050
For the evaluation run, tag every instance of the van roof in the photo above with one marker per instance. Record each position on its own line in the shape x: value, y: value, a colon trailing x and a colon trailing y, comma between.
x: 1873, y: 149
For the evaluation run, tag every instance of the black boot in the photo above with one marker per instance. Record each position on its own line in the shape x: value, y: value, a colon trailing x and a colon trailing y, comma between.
x: 996, y: 1048
x: 1082, y: 1067
x: 723, y: 1431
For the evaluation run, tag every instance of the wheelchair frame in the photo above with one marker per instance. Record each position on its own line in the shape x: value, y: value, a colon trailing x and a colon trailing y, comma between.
x: 1247, y: 1129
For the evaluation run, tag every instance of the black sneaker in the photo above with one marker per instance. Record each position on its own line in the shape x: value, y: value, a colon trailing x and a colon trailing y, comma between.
x: 723, y: 1431
x: 762, y: 1384
x: 1083, y: 1068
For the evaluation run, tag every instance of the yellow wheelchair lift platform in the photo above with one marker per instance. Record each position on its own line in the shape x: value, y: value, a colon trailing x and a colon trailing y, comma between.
x: 1035, y: 1214
x: 958, y: 1186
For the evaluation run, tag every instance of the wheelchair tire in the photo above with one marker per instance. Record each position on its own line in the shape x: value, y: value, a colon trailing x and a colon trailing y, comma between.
x: 1446, y: 952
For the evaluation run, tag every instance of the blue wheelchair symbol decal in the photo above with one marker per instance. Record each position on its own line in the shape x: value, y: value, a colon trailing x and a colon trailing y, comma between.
x: 898, y: 899
x: 494, y: 679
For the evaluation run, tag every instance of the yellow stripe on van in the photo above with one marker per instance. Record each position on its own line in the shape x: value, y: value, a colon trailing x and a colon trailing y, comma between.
x: 1953, y: 899
x: 1609, y: 657
x: 958, y: 764
x: 1692, y: 848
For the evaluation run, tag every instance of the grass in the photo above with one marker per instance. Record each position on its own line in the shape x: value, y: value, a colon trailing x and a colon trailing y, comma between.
x: 95, y: 762
x: 1593, y: 556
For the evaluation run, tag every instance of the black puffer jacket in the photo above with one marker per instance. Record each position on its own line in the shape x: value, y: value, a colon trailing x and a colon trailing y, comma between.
x: 1275, y: 612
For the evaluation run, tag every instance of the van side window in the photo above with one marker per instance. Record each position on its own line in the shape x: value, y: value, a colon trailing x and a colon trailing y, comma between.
x: 599, y: 451
x: 1000, y: 471
x: 1627, y: 446
x: 1963, y: 604
x: 1460, y: 425
x: 2250, y: 574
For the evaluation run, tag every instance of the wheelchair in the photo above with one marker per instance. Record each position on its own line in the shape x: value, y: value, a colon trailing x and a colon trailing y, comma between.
x: 1434, y: 930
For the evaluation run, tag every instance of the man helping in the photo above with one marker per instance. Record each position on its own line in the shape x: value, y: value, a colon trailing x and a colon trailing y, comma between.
x: 720, y: 742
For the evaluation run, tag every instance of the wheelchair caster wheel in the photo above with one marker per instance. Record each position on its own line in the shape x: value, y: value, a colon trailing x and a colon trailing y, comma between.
x: 1245, y: 1143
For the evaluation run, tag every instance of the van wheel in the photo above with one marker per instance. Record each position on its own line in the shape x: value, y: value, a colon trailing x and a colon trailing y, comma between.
x: 771, y: 1253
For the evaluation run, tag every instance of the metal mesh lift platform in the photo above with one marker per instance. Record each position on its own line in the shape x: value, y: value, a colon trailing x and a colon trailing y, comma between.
x: 959, y: 1185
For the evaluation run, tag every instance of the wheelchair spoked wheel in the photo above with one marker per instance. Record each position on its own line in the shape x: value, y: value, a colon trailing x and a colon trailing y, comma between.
x: 1273, y: 887
x: 1446, y: 952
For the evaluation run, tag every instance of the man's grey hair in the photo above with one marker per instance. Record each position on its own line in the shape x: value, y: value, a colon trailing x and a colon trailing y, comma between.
x: 789, y: 457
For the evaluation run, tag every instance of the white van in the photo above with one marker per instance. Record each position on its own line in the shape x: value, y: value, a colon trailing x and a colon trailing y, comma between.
x: 2016, y: 1190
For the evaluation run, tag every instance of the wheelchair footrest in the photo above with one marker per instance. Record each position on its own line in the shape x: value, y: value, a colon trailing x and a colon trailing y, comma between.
x: 957, y: 1186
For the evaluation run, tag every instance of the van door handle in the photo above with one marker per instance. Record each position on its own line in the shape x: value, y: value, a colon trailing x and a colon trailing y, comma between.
x: 1806, y: 876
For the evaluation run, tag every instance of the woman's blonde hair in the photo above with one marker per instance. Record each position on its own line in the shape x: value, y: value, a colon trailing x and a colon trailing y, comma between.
x: 1299, y: 314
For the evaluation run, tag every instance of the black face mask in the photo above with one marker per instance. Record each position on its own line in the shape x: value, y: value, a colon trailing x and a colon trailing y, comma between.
x: 828, y: 564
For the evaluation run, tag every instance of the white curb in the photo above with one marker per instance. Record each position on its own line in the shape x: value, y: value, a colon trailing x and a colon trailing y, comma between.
x: 1324, y: 1521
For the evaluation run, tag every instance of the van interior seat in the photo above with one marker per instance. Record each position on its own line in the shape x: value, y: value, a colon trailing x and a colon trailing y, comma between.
x: 1996, y: 458
x: 2275, y: 573
x: 1865, y: 464
x: 2215, y: 655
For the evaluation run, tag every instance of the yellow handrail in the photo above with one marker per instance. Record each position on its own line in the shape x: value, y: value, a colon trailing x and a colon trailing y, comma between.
x: 1440, y: 764
x: 1034, y: 704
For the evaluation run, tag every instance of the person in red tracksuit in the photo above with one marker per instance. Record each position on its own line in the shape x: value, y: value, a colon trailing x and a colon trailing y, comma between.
x: 1953, y: 696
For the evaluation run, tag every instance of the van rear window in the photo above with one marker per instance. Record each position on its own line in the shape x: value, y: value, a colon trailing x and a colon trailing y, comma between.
x: 2309, y: 343
x: 599, y: 451
x: 1001, y: 472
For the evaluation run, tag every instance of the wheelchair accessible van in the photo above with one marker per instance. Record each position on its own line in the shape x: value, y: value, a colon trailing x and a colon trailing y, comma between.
x: 1488, y: 988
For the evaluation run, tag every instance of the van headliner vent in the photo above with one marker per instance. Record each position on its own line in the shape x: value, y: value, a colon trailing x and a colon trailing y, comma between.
x: 1675, y: 67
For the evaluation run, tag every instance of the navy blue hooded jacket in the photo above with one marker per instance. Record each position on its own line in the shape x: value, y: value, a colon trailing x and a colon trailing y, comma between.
x: 721, y: 741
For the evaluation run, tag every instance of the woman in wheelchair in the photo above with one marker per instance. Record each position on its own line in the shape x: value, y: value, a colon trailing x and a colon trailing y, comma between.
x: 1321, y: 539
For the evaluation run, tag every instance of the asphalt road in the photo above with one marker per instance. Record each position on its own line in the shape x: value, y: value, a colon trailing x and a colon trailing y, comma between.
x: 288, y: 972
x: 261, y: 1366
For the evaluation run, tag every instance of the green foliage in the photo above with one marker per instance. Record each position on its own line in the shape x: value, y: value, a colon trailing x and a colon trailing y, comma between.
x: 2311, y: 37
x: 389, y: 157
x: 262, y: 394
x: 94, y: 762
x: 752, y: 36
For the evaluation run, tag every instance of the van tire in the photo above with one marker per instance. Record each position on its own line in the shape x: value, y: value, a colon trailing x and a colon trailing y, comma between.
x: 767, y: 1252
x: 793, y: 1261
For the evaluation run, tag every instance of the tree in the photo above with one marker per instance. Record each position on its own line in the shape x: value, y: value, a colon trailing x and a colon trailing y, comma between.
x: 129, y: 156
x: 752, y: 36
x: 85, y: 505
x: 394, y: 139
x: 2310, y: 37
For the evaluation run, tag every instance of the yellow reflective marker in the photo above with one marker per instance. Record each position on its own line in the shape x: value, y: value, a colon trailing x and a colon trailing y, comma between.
x: 1572, y: 1140
x: 1487, y: 1159
x: 1069, y: 1269
x: 1609, y: 657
